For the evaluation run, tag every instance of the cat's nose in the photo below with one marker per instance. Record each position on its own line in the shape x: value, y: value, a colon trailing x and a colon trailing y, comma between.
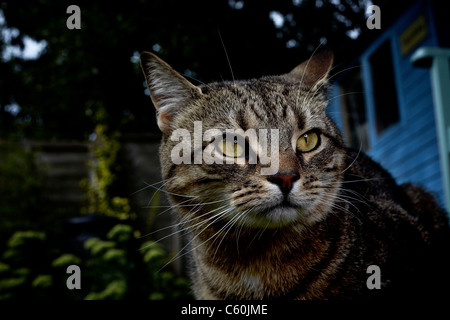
x: 284, y: 181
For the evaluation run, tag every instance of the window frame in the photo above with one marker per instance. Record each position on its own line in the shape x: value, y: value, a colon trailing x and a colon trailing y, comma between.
x: 368, y: 87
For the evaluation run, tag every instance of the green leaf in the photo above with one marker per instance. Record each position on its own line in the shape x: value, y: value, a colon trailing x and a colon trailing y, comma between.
x: 42, y: 281
x: 10, y: 283
x: 156, y: 296
x: 90, y: 243
x: 20, y: 238
x: 113, y: 291
x: 97, y: 246
x: 4, y: 267
x: 117, y: 255
x: 154, y: 255
x: 120, y: 233
x: 65, y: 260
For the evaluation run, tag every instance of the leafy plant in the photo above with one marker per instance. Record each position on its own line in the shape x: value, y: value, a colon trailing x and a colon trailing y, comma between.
x: 19, y: 189
x: 105, y: 150
x: 33, y: 263
x: 123, y: 273
x: 31, y: 268
x: 24, y: 266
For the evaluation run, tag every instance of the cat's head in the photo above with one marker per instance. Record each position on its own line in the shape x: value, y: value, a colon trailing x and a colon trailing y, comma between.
x: 257, y: 153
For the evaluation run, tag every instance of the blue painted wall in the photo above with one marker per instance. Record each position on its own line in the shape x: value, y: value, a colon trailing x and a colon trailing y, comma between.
x: 409, y: 148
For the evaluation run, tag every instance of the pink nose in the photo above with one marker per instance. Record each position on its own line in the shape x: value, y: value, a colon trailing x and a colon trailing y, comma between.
x: 284, y: 181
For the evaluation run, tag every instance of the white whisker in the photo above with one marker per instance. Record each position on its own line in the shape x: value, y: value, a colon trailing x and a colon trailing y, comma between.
x: 214, y: 219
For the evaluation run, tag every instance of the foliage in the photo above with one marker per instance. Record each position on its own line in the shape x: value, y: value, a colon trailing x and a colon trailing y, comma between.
x: 23, y: 266
x: 31, y: 267
x: 111, y: 259
x: 105, y: 150
x: 33, y: 263
x: 19, y: 189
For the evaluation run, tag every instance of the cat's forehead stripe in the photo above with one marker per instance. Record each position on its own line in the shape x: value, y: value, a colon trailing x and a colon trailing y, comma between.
x: 242, y: 120
x: 265, y: 104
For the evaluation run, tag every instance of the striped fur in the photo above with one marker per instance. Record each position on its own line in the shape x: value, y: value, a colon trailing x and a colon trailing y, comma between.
x: 249, y: 240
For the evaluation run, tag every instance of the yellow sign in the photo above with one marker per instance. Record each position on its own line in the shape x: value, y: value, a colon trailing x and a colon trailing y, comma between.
x: 413, y: 35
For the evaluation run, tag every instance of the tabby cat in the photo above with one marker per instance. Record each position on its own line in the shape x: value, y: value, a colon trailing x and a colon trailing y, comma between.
x: 310, y: 230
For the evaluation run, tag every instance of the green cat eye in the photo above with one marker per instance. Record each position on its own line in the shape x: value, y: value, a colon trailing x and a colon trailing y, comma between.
x: 307, y: 142
x: 231, y: 148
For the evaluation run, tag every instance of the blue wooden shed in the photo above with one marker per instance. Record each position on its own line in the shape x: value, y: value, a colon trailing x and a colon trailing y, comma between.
x: 389, y: 106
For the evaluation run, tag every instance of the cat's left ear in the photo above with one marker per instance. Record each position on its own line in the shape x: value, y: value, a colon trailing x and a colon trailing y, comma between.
x: 313, y: 72
x: 169, y: 90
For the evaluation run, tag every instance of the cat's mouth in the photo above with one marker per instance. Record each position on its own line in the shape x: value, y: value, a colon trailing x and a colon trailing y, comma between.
x: 286, y: 203
x: 273, y: 211
x: 278, y: 215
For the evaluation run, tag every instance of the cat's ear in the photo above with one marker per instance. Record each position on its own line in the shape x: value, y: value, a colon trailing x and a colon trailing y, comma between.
x: 313, y: 72
x: 169, y: 90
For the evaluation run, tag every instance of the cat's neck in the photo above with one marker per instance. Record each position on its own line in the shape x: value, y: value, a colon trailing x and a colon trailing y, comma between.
x: 248, y: 259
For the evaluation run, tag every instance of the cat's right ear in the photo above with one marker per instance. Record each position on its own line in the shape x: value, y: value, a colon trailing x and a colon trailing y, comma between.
x: 169, y: 90
x: 313, y: 72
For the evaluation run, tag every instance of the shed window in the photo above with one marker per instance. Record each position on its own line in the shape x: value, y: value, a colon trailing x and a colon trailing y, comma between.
x: 353, y: 110
x: 384, y: 88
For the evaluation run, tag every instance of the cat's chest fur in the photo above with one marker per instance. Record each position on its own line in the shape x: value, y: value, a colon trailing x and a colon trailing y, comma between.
x: 271, y: 267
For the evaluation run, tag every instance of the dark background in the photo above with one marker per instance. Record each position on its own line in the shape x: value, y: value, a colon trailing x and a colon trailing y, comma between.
x: 92, y: 75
